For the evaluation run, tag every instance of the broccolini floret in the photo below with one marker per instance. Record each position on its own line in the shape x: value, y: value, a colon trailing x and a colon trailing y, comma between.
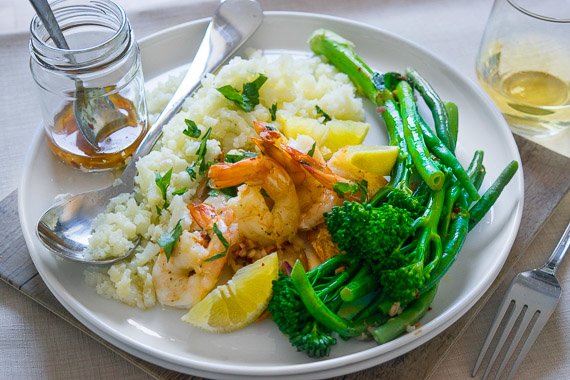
x: 292, y: 317
x: 370, y: 233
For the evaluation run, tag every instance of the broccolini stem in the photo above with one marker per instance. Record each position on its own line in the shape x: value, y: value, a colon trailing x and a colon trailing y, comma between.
x: 436, y: 146
x: 454, y: 241
x: 453, y: 116
x: 380, y: 195
x: 340, y: 52
x: 396, y: 326
x: 425, y: 166
x: 430, y: 235
x: 362, y: 284
x: 480, y: 208
x: 378, y: 310
x: 327, y: 267
x: 316, y: 307
x: 436, y: 106
x: 331, y: 290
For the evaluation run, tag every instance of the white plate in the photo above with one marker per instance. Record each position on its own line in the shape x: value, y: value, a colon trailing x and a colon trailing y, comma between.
x: 159, y: 336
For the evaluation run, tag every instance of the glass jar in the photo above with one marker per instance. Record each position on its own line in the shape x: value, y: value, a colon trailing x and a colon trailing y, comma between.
x: 104, y: 59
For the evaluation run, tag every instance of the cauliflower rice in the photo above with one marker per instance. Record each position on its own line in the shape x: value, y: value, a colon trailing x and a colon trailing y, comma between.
x: 296, y: 84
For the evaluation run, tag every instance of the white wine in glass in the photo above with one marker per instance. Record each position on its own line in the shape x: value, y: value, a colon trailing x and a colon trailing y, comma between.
x: 524, y: 65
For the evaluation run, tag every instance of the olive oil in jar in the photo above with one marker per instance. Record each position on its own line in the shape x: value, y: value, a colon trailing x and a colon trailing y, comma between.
x: 103, y: 55
x: 114, y: 147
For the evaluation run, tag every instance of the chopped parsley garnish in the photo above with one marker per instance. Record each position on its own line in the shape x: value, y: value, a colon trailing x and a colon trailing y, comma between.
x: 216, y: 256
x: 180, y: 191
x: 192, y: 129
x: 322, y: 113
x: 223, y: 241
x: 344, y: 188
x: 163, y: 181
x: 273, y: 111
x: 201, y: 152
x: 227, y: 191
x: 249, y: 96
x: 168, y: 240
x: 191, y: 172
x: 312, y: 150
x: 241, y: 155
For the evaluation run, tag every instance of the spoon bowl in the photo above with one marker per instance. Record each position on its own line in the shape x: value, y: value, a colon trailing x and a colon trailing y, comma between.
x: 66, y: 227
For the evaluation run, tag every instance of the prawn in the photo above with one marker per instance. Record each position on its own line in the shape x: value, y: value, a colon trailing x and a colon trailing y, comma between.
x: 274, y: 144
x: 196, y: 262
x: 315, y: 198
x: 266, y: 206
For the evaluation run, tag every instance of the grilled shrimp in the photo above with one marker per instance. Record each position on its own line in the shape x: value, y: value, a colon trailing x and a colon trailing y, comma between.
x: 266, y: 207
x: 315, y: 198
x: 187, y: 277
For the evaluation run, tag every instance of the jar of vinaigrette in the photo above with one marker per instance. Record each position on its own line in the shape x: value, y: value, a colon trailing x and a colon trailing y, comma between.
x: 104, y: 57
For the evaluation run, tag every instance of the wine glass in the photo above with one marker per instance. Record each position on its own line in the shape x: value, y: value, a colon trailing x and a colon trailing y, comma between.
x: 524, y: 64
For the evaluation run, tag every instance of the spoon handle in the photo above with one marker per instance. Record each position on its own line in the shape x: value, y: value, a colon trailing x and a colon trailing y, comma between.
x: 44, y: 12
x: 234, y: 22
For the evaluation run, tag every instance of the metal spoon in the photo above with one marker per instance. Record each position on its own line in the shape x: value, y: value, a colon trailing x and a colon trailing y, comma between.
x: 93, y: 111
x: 65, y: 229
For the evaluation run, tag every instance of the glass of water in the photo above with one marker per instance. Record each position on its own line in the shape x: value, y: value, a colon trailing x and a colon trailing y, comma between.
x: 524, y: 64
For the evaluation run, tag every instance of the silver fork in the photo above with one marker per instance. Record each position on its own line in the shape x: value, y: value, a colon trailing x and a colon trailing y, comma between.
x: 532, y: 296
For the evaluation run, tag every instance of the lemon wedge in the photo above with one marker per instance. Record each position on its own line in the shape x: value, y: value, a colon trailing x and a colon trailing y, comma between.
x: 294, y: 126
x: 331, y: 136
x: 341, y: 163
x: 238, y: 303
x: 375, y: 159
x: 344, y: 132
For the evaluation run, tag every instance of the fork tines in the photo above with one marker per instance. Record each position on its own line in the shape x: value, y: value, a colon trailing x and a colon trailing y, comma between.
x: 519, y: 318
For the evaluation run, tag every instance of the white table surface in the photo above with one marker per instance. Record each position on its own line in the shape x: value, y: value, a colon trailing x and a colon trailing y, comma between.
x: 36, y: 344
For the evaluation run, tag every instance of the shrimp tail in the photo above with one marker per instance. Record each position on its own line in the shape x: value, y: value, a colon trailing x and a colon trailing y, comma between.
x: 224, y: 175
x: 203, y: 214
x: 280, y: 154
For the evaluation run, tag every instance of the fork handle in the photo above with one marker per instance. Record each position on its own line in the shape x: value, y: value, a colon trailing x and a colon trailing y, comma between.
x: 559, y: 252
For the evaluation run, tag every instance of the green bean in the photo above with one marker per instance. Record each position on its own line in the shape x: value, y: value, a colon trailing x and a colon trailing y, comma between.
x: 395, y: 127
x: 453, y: 117
x: 397, y: 325
x: 454, y: 191
x: 457, y: 231
x: 479, y: 209
x: 436, y: 106
x: 438, y: 149
x: 479, y: 176
x: 425, y: 166
x: 394, y: 124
